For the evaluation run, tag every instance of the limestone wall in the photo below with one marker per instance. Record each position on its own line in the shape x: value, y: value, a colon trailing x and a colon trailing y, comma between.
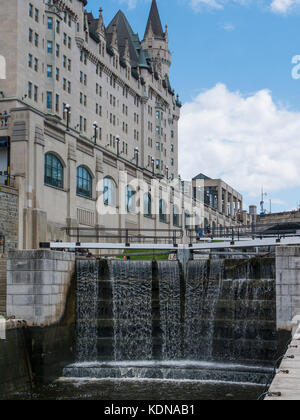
x: 38, y: 284
x: 287, y: 285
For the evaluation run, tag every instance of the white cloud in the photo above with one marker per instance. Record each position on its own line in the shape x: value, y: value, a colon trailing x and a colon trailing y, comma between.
x: 247, y: 141
x: 130, y: 3
x: 284, y: 6
x: 197, y: 5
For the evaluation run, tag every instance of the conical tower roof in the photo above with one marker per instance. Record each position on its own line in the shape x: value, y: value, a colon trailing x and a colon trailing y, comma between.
x: 154, y: 22
x: 125, y: 35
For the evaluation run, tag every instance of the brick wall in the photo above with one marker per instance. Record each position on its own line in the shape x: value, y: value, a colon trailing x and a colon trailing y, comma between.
x: 9, y: 216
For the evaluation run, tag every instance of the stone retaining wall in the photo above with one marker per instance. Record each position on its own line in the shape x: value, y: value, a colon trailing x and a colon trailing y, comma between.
x: 37, y: 285
x: 9, y: 216
x: 3, y: 264
x: 287, y: 285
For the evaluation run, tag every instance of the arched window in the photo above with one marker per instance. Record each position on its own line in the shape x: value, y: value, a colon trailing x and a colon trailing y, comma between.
x: 130, y: 199
x: 176, y: 218
x: 162, y: 212
x: 84, y: 182
x: 109, y: 193
x: 147, y: 205
x: 54, y: 171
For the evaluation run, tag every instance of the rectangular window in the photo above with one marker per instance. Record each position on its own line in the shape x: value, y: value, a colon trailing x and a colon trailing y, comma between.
x: 35, y: 93
x: 30, y: 10
x: 30, y: 60
x: 36, y: 65
x: 49, y: 47
x: 57, y: 103
x: 30, y: 35
x: 29, y: 90
x: 50, y: 23
x: 36, y: 39
x: 49, y: 100
x: 36, y: 15
x: 49, y: 71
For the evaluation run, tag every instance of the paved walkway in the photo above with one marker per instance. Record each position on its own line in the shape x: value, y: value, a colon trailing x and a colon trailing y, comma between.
x: 288, y: 384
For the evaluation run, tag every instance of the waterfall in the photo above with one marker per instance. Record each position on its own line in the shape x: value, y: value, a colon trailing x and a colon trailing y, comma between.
x: 170, y: 309
x: 202, y: 294
x: 143, y: 319
x: 132, y: 309
x: 86, y: 310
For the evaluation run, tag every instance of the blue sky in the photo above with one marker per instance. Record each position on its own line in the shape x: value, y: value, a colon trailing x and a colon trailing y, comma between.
x: 232, y: 64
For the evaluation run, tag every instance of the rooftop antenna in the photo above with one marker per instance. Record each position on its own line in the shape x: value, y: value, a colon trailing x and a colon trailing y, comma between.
x: 262, y: 203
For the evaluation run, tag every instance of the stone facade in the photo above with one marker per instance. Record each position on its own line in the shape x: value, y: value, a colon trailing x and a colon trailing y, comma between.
x: 38, y: 284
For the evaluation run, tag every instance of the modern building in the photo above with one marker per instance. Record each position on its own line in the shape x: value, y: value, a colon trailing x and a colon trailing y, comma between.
x: 82, y: 104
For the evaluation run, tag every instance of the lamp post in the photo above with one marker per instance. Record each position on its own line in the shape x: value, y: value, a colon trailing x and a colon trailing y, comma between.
x: 136, y: 155
x: 68, y: 112
x: 118, y: 145
x: 153, y: 162
x: 95, y: 125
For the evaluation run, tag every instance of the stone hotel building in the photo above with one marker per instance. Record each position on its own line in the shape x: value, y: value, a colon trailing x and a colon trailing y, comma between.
x: 83, y: 103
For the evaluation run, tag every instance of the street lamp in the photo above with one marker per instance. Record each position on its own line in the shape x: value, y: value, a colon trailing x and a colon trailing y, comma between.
x: 118, y: 145
x: 67, y: 110
x: 136, y: 155
x: 95, y: 126
x: 153, y: 162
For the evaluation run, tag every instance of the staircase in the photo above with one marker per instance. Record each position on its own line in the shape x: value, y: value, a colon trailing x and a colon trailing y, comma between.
x: 3, y: 269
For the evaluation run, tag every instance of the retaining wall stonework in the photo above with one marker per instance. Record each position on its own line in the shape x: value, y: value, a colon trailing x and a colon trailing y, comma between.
x: 3, y: 266
x: 287, y: 285
x: 9, y: 216
x: 38, y: 284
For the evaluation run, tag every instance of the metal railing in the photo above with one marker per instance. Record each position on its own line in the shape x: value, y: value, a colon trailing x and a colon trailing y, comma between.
x: 127, y: 235
x: 254, y: 231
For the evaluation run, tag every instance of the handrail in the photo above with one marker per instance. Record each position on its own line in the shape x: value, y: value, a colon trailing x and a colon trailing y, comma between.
x: 128, y: 234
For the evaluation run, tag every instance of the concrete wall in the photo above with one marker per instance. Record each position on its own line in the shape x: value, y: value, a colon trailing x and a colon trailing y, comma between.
x: 38, y: 284
x: 287, y: 286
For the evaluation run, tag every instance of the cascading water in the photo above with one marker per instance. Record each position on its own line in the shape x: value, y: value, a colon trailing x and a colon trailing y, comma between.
x: 132, y: 309
x: 170, y: 310
x: 86, y: 310
x: 143, y: 320
x: 202, y: 294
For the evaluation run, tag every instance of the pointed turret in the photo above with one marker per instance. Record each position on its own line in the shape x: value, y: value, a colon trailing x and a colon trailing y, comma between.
x: 156, y: 43
x: 154, y: 22
x: 101, y: 27
x: 114, y: 38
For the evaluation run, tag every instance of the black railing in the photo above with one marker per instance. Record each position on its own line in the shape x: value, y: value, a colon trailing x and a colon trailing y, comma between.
x: 157, y: 236
x: 254, y: 231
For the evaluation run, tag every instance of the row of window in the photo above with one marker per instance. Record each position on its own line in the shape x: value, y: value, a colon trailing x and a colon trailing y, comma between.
x: 54, y: 176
